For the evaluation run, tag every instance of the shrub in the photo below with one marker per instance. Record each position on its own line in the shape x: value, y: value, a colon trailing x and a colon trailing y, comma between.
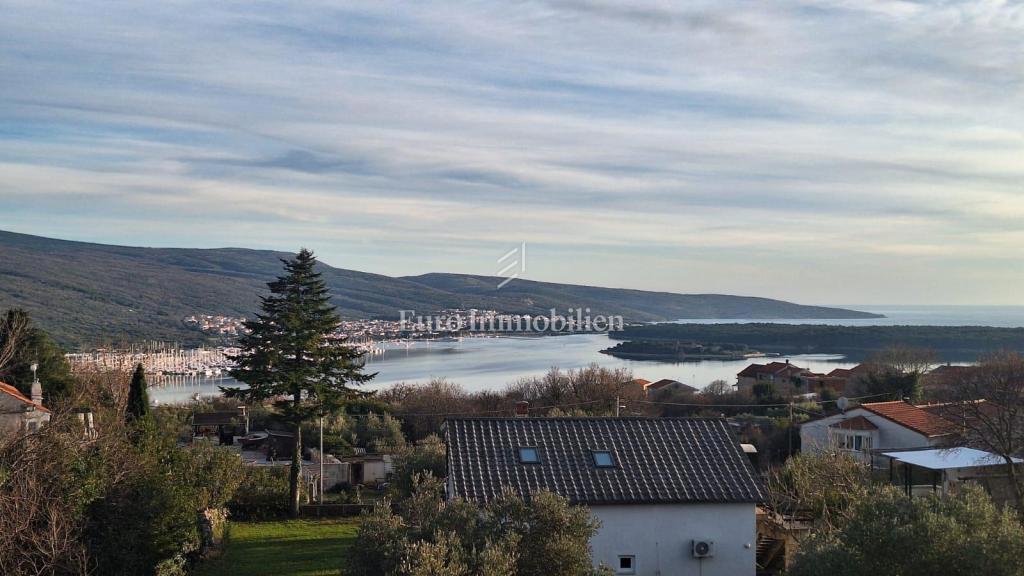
x: 507, y: 536
x: 429, y: 456
x: 262, y: 494
x: 380, y: 545
x: 888, y: 533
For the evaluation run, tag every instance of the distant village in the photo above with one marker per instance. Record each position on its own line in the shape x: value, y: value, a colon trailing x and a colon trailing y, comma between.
x: 368, y: 330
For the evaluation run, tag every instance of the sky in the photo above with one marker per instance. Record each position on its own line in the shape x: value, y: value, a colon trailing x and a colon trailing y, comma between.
x: 832, y: 152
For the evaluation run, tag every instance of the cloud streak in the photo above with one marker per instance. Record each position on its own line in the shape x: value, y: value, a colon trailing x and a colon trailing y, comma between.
x: 801, y: 150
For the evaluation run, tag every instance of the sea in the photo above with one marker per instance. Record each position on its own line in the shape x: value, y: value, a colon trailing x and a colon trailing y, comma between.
x: 492, y: 363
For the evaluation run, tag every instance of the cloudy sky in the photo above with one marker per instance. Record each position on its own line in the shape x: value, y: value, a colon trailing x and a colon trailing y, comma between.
x: 823, y: 152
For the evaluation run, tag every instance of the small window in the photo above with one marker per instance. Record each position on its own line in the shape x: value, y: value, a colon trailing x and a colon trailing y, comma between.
x: 603, y: 459
x: 529, y: 455
x: 627, y: 565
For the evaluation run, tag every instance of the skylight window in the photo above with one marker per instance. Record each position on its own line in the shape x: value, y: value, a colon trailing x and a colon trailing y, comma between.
x: 603, y: 459
x: 529, y: 455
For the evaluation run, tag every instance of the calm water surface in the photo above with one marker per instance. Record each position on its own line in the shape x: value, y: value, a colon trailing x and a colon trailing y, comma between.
x: 493, y: 363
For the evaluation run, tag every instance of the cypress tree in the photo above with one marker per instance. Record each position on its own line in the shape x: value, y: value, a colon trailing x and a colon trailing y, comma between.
x: 138, y: 398
x: 289, y: 354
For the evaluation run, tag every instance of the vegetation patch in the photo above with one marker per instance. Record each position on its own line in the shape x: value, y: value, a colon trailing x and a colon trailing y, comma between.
x: 284, y: 548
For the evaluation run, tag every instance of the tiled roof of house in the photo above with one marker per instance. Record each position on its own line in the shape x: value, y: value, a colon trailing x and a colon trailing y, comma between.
x: 855, y: 423
x: 12, y: 391
x: 857, y: 370
x: 657, y: 460
x: 913, y: 417
x: 641, y: 381
x: 769, y: 368
x: 951, y: 369
x: 668, y: 382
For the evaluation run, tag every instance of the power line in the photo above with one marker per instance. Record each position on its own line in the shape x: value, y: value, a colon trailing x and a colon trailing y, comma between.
x: 588, y: 402
x: 692, y: 405
x: 498, y: 411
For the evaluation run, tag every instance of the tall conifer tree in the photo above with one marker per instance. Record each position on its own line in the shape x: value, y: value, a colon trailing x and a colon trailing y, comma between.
x: 289, y: 354
x: 138, y: 399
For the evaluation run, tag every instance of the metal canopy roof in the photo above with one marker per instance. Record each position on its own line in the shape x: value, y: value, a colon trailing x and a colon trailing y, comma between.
x: 949, y: 458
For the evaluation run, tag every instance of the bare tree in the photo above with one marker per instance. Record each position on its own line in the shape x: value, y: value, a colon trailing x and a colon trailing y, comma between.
x: 987, y: 403
x: 717, y: 388
x: 817, y: 489
x: 905, y: 359
x: 15, y: 327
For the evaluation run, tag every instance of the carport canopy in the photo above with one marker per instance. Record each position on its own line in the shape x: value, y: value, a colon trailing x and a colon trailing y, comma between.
x: 949, y: 458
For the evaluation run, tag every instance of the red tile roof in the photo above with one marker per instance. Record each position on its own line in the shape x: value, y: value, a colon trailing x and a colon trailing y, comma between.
x: 641, y: 381
x: 855, y: 423
x: 847, y: 372
x: 910, y: 416
x: 769, y: 368
x: 668, y: 382
x: 12, y: 391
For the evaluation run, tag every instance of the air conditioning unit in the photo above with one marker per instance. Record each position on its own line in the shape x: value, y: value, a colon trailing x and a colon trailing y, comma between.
x: 703, y: 548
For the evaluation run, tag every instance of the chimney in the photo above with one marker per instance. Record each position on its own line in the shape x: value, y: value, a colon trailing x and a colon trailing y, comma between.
x: 37, y: 388
x: 522, y: 409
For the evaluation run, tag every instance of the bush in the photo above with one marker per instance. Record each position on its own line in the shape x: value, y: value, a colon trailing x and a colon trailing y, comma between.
x: 380, y: 544
x: 427, y: 457
x: 508, y: 536
x: 153, y: 520
x: 888, y: 533
x: 261, y: 495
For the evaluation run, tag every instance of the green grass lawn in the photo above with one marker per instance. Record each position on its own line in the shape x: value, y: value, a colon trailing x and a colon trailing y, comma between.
x: 284, y: 548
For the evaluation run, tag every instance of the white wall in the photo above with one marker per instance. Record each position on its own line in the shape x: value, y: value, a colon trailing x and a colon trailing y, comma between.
x: 814, y: 436
x: 14, y: 419
x: 660, y: 537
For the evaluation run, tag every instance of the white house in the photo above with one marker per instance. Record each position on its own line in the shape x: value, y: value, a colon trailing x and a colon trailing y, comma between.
x: 876, y: 426
x: 675, y: 496
x: 20, y: 414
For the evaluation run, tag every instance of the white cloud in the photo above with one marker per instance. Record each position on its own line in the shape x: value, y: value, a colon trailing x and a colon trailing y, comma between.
x: 745, y: 139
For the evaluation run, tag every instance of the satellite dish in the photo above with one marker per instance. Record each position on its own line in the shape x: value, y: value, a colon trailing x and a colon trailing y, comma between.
x: 843, y: 403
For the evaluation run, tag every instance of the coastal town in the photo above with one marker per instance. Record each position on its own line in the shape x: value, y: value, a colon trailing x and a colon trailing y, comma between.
x: 482, y: 288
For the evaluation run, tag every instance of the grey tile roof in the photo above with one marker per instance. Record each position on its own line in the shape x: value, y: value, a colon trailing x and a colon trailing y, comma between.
x: 658, y: 460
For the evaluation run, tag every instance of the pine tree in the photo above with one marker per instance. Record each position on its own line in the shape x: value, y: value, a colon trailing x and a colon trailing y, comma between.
x: 289, y: 352
x: 138, y: 399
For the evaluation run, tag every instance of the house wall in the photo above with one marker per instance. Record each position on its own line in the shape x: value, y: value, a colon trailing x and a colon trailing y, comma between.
x: 14, y: 419
x: 814, y: 436
x: 660, y: 537
x: 373, y: 471
x: 745, y: 384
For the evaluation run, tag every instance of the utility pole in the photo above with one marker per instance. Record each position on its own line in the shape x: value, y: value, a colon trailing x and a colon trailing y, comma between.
x: 321, y: 487
x: 616, y: 406
x: 789, y: 431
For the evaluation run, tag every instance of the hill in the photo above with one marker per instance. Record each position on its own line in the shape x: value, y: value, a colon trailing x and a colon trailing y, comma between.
x: 636, y: 305
x: 93, y: 294
x: 952, y: 343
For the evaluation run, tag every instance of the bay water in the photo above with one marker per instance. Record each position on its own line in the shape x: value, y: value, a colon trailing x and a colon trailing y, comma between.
x: 483, y: 363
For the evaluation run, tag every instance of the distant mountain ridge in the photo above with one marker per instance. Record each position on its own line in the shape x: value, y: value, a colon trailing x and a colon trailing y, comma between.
x: 94, y: 294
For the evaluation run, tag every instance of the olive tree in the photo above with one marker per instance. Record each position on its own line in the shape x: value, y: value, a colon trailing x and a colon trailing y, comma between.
x: 887, y: 533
